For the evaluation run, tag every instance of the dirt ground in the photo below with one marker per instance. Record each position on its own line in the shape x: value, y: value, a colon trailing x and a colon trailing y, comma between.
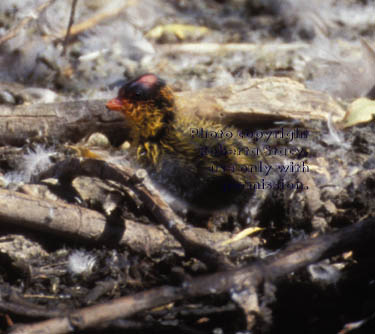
x: 81, y: 224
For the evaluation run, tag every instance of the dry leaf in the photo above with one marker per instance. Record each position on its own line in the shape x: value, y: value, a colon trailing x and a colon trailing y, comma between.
x: 360, y: 111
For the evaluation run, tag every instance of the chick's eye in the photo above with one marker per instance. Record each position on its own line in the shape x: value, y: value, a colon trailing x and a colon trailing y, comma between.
x: 138, y: 92
x: 131, y: 92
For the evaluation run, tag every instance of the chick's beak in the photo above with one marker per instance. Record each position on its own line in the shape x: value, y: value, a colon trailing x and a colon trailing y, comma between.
x: 115, y: 104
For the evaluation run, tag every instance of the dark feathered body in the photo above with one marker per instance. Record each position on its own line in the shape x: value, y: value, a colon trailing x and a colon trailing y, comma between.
x: 167, y: 145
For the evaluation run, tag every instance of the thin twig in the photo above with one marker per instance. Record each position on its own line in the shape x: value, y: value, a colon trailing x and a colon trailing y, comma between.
x: 71, y: 20
x: 97, y: 18
x: 33, y: 16
x: 208, y: 48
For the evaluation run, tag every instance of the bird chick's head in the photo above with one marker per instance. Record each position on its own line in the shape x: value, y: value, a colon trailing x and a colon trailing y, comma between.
x: 148, y: 103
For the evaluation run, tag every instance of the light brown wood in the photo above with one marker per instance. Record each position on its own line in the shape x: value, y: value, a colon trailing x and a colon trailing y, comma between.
x: 257, y: 101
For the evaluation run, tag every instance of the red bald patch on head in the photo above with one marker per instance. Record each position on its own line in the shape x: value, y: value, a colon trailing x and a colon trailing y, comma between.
x: 148, y: 80
x: 145, y: 88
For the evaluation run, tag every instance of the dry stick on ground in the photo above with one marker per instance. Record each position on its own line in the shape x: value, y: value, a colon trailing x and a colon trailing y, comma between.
x: 207, y: 48
x: 193, y: 244
x: 258, y: 100
x: 296, y: 256
x: 77, y: 223
x: 32, y: 16
x: 21, y: 307
x: 65, y: 122
x: 74, y: 222
x: 35, y: 311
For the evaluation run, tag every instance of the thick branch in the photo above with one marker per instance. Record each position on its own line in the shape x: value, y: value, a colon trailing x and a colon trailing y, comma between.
x: 257, y: 101
x: 75, y: 222
x: 294, y: 257
x: 194, y: 244
x: 66, y: 121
